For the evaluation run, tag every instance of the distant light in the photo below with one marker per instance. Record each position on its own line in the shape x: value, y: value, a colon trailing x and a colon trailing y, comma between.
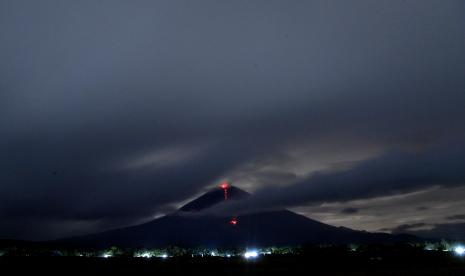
x: 233, y: 221
x: 164, y: 256
x: 228, y: 255
x: 106, y: 255
x: 459, y: 250
x: 251, y: 254
x: 213, y: 253
x: 144, y: 254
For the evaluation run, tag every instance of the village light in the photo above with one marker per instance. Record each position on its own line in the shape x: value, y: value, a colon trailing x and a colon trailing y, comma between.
x: 251, y: 254
x: 459, y: 250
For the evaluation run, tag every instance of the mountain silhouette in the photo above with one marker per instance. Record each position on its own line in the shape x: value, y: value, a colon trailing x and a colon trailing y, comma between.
x: 270, y: 228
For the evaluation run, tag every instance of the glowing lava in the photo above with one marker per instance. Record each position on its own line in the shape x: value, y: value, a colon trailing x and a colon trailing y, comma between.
x: 233, y: 222
x: 225, y: 186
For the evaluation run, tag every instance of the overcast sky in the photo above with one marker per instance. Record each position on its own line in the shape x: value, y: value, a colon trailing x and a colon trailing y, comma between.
x: 115, y: 112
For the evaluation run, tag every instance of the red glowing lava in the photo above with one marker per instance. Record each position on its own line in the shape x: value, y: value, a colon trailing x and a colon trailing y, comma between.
x: 233, y: 221
x: 225, y: 186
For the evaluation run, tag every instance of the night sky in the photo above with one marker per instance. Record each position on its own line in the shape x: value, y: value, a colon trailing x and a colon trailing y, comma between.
x: 116, y: 112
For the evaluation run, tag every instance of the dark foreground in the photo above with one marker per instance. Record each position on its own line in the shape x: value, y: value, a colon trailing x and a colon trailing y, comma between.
x: 393, y: 263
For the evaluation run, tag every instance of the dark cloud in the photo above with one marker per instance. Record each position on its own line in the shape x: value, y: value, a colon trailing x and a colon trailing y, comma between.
x: 113, y: 112
x: 456, y: 217
x: 407, y: 227
x: 349, y: 210
x: 452, y: 231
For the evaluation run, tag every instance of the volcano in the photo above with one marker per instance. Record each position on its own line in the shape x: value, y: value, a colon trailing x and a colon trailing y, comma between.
x: 271, y: 228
